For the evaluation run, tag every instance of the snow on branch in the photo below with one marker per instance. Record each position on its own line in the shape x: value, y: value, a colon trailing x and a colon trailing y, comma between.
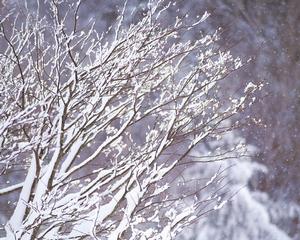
x: 93, y: 122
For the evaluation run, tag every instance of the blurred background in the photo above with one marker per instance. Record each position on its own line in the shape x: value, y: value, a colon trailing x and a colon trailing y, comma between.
x: 268, y: 33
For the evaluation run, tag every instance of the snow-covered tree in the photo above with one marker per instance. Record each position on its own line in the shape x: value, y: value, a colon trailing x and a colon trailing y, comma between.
x: 245, y: 215
x: 100, y: 125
